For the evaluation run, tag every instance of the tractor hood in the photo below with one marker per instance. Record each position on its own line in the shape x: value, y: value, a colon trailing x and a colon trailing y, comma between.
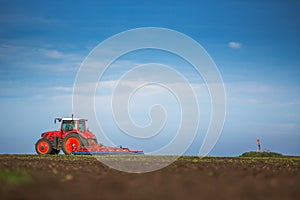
x: 50, y: 133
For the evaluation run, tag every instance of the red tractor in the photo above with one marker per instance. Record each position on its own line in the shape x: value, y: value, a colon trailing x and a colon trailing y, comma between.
x: 74, y: 138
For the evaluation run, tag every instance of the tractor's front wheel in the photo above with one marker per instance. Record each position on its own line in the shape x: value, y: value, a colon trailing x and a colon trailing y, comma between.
x: 43, y: 146
x: 71, y: 143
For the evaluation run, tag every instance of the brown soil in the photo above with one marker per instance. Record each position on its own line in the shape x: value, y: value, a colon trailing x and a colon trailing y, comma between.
x: 83, y: 177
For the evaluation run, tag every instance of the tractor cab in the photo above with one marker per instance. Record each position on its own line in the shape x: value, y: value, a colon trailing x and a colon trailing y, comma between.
x: 69, y: 124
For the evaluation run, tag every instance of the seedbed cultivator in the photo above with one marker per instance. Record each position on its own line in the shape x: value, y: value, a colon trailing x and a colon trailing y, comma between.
x: 73, y: 137
x: 98, y: 150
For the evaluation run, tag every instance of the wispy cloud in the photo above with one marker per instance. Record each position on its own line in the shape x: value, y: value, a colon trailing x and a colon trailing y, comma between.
x: 17, y: 89
x: 44, y: 58
x: 249, y: 88
x: 235, y: 45
x: 22, y: 19
x: 51, y: 53
x: 62, y: 89
x: 249, y: 92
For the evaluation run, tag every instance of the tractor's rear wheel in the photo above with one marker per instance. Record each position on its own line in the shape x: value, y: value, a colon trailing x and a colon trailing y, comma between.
x: 71, y: 143
x: 43, y: 146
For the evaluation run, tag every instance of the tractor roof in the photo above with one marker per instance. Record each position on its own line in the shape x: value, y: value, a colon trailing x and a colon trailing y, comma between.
x: 69, y: 118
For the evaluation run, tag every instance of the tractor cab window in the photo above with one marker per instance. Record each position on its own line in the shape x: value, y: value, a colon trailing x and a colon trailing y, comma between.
x: 81, y: 126
x: 68, y: 125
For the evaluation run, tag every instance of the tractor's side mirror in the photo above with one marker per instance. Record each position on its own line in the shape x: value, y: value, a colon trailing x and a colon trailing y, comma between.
x: 58, y: 119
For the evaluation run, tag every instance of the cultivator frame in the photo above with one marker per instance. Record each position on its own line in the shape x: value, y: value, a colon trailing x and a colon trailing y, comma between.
x: 97, y: 149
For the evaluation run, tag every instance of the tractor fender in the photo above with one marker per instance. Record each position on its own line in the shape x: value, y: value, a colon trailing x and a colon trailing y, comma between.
x: 86, y: 135
x: 73, y: 132
x: 82, y: 138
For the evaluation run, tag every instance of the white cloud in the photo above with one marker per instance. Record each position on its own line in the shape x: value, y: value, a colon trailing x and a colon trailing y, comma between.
x: 42, y: 58
x: 249, y: 88
x: 62, y: 89
x: 51, y: 53
x: 235, y: 45
x: 249, y: 92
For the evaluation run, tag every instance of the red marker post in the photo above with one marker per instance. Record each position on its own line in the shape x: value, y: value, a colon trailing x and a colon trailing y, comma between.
x: 258, y: 144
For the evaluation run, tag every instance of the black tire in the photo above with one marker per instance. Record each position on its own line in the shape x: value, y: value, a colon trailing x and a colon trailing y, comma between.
x: 66, y: 143
x: 43, y: 146
x: 55, y: 151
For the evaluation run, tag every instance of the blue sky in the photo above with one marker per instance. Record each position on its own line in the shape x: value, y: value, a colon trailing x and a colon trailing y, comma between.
x: 255, y: 44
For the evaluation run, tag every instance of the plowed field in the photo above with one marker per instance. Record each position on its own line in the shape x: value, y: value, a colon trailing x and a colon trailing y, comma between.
x: 84, y: 177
